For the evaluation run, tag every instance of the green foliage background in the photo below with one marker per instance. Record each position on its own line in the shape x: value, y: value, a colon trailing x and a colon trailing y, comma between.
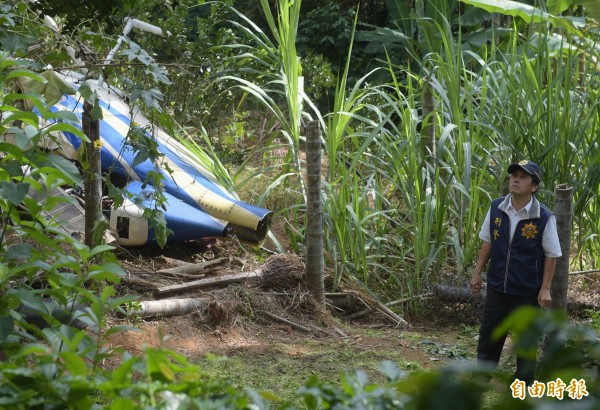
x: 418, y: 126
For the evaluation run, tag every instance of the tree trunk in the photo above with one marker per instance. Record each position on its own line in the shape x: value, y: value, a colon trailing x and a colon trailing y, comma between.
x: 563, y: 209
x: 92, y: 178
x: 314, y: 228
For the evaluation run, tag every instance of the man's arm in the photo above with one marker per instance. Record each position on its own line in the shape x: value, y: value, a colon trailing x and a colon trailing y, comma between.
x: 484, y: 257
x: 544, y: 298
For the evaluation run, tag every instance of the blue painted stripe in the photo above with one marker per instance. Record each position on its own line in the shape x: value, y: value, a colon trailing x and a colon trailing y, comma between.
x: 113, y: 137
x: 185, y: 221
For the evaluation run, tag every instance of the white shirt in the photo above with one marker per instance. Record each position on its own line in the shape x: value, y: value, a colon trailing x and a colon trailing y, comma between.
x: 550, y: 242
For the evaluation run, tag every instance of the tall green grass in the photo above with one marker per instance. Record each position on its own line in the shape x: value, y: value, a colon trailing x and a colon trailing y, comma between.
x: 399, y: 208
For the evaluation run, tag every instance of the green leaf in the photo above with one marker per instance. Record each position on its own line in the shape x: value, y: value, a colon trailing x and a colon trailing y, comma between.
x: 391, y: 370
x: 32, y: 97
x: 66, y: 116
x: 31, y: 266
x: 101, y: 248
x: 104, y: 275
x: 18, y: 42
x: 97, y: 111
x: 27, y: 117
x: 52, y: 89
x: 385, y: 36
x: 157, y: 368
x: 23, y: 136
x: 511, y: 8
x: 31, y: 300
x: 113, y: 268
x: 269, y: 396
x: 11, y: 149
x: 13, y: 167
x: 63, y: 126
x: 141, y: 156
x: 166, y: 371
x: 19, y: 251
x: 122, y: 403
x: 87, y: 93
x: 74, y: 363
x: 22, y: 72
x: 557, y: 6
x: 13, y: 192
x: 29, y: 350
x: 4, y: 273
x: 6, y: 327
x: 151, y: 97
x: 124, y: 372
x: 63, y: 167
x: 526, y: 12
x: 517, y: 321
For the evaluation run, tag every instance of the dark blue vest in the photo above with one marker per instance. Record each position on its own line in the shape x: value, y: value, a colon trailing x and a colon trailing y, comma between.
x: 516, y: 266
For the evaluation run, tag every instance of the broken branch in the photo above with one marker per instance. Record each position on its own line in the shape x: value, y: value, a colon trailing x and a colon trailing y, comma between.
x: 208, y: 282
x: 289, y: 322
x: 194, y: 268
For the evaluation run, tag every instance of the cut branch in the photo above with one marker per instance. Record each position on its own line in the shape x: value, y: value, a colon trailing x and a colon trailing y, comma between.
x: 393, y: 303
x: 385, y: 310
x: 246, y: 277
x: 584, y: 272
x: 138, y: 283
x: 167, y: 307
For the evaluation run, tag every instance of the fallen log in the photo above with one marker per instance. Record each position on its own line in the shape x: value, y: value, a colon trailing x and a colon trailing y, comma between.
x: 456, y: 294
x: 178, y: 307
x: 168, y: 307
x: 278, y: 272
x: 462, y: 295
x: 251, y: 277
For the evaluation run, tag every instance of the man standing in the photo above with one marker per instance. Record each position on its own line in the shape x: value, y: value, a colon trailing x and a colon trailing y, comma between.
x: 521, y: 244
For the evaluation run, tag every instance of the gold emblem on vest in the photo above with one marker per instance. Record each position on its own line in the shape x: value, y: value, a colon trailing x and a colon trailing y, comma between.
x: 529, y: 231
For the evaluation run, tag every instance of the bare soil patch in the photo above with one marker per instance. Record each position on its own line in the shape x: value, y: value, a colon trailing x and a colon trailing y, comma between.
x: 247, y: 325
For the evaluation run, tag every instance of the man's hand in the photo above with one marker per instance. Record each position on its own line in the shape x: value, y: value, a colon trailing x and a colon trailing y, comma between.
x: 475, y: 285
x: 482, y: 260
x: 544, y: 298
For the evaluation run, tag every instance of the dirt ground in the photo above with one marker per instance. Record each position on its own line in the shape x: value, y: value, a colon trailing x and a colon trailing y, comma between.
x: 185, y: 336
x: 278, y: 326
x: 246, y: 321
